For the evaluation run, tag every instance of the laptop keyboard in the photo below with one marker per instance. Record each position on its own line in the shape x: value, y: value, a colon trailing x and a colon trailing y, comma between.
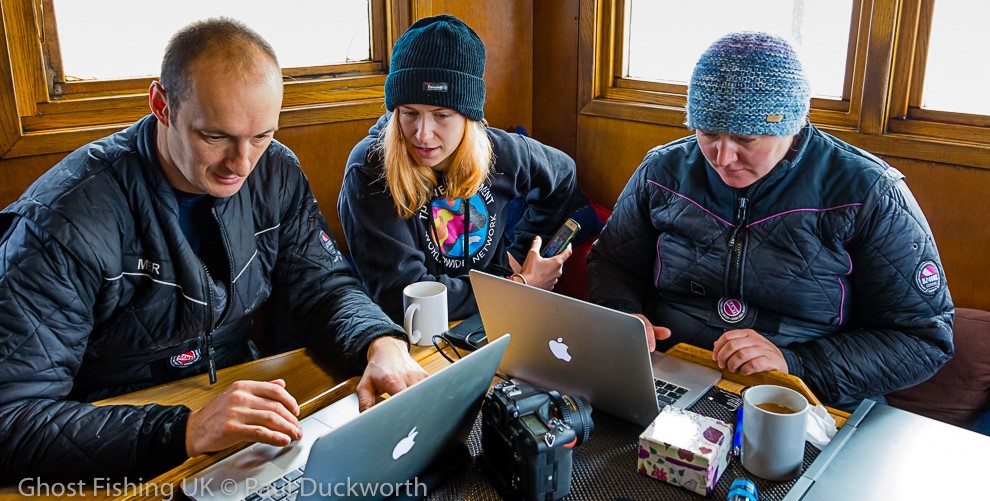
x: 283, y: 488
x: 668, y: 393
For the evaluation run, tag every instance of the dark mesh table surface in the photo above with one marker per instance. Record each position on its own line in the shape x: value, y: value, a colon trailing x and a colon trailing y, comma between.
x: 605, y: 466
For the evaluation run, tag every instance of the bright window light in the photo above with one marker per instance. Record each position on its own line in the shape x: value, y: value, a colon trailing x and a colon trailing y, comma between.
x: 109, y: 39
x: 666, y: 37
x: 957, y: 76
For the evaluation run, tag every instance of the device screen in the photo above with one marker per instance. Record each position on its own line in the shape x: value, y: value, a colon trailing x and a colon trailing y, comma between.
x: 560, y: 239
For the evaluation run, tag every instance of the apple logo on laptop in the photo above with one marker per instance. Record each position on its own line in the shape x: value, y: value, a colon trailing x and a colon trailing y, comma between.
x: 405, y: 444
x: 559, y: 349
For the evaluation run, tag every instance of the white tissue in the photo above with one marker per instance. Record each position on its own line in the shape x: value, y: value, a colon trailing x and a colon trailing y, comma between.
x: 821, y: 426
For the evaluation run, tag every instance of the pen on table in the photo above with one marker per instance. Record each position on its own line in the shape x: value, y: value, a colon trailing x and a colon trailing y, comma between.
x: 737, y: 433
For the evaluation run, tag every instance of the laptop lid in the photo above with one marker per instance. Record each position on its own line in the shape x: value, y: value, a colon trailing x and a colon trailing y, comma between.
x: 882, y: 453
x: 379, y: 453
x: 584, y: 349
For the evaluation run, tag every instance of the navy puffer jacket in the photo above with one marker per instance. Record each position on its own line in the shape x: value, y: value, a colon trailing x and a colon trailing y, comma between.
x: 828, y: 256
x: 101, y: 294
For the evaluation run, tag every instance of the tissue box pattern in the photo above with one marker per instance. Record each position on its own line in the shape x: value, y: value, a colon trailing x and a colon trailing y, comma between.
x: 686, y: 449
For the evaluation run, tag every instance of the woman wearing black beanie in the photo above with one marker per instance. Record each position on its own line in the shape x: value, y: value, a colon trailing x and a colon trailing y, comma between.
x: 428, y: 194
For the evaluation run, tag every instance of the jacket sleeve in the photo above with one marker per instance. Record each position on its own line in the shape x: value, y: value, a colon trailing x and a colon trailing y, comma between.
x: 46, y: 301
x: 906, y: 320
x: 386, y: 248
x: 546, y: 178
x: 621, y: 261
x: 336, y: 316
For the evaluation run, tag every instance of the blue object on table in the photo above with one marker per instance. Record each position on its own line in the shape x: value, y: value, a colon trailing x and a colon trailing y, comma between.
x: 743, y: 489
x: 737, y: 433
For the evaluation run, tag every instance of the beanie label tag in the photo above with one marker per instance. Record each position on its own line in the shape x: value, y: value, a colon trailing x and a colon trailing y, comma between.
x: 434, y: 86
x: 775, y: 119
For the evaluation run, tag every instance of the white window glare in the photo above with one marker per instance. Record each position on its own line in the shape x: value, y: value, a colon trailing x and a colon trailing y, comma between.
x: 957, y: 75
x: 111, y: 39
x: 666, y: 37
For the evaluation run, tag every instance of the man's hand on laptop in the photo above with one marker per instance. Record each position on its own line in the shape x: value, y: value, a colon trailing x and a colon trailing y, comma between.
x: 747, y: 352
x: 247, y: 411
x: 390, y: 370
x: 653, y: 333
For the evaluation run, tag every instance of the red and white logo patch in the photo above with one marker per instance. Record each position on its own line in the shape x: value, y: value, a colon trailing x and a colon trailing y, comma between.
x: 326, y: 242
x: 184, y: 359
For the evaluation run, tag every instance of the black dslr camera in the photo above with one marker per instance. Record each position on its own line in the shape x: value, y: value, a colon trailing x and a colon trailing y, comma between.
x: 527, y: 434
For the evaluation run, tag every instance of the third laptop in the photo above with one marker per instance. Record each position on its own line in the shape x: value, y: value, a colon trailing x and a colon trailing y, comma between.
x: 584, y: 349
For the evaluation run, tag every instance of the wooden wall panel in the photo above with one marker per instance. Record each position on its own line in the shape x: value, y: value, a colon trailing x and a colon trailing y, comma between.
x: 17, y: 174
x: 555, y: 69
x: 322, y: 152
x: 506, y: 27
x: 609, y: 150
x: 955, y: 202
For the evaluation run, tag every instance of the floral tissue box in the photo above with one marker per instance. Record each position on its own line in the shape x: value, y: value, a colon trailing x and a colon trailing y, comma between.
x: 685, y: 448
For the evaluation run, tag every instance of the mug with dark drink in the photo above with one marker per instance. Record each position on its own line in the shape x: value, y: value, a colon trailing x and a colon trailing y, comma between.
x: 773, y: 434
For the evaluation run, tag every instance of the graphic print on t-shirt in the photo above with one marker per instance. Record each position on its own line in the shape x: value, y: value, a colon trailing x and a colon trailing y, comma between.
x: 448, y: 228
x: 453, y: 227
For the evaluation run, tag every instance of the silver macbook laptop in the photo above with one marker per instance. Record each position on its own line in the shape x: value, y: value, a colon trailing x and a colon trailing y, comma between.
x: 376, y: 454
x: 577, y: 347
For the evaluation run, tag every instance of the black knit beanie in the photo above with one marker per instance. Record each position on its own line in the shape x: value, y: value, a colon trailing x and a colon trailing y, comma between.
x: 438, y: 61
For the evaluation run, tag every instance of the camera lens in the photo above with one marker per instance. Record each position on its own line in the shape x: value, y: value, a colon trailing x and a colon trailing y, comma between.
x: 575, y: 411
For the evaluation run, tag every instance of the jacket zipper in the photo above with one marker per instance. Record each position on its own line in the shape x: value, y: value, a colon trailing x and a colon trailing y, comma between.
x: 211, y: 327
x: 210, y: 323
x: 737, y: 245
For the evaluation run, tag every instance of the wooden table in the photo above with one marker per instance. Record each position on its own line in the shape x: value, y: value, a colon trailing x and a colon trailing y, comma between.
x: 314, y: 385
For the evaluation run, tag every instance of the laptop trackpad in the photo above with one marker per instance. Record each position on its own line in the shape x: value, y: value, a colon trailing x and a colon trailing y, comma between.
x: 683, y: 373
x: 263, y: 463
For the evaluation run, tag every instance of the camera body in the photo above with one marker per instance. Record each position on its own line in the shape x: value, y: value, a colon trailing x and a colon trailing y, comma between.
x: 528, y: 435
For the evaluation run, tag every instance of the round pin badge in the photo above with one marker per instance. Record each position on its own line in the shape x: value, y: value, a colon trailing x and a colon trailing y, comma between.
x: 928, y: 278
x: 731, y: 310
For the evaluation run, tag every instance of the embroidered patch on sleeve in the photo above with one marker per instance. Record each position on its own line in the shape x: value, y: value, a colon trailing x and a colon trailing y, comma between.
x: 184, y: 359
x: 928, y: 278
x: 328, y: 245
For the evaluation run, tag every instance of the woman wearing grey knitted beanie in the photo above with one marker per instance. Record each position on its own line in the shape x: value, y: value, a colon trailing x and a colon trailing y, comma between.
x: 773, y: 244
x: 427, y: 194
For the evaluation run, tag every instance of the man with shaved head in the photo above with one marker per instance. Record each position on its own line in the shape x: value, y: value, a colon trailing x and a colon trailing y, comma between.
x: 140, y: 259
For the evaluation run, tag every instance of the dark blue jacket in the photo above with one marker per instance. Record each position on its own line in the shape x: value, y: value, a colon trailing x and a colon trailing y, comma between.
x: 101, y: 294
x: 830, y: 258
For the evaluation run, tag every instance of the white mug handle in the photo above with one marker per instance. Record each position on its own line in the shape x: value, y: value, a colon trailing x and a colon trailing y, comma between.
x: 414, y: 335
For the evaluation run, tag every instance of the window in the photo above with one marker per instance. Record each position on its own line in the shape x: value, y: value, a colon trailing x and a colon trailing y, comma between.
x: 50, y: 101
x: 90, y: 46
x: 896, y: 77
x: 954, y: 83
x: 819, y: 29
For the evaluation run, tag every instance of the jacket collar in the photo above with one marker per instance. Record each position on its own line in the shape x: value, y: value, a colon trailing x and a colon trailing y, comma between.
x: 234, y: 212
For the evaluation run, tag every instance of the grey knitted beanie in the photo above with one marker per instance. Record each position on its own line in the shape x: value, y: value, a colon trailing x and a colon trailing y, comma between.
x: 749, y: 83
x: 438, y: 61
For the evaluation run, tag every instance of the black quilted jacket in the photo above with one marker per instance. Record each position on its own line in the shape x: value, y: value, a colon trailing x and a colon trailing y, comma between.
x: 830, y: 258
x: 100, y: 294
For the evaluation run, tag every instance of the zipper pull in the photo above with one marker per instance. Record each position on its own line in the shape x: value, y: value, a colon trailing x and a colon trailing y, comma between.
x: 209, y: 359
x: 741, y: 210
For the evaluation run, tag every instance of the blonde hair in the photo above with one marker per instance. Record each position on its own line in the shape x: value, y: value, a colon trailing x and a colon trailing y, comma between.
x: 412, y: 185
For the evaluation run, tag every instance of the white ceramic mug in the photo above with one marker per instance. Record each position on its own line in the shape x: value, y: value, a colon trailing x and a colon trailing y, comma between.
x: 425, y: 306
x: 773, y: 437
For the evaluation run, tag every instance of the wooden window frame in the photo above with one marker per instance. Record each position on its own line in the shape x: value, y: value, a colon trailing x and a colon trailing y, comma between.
x: 40, y: 115
x: 879, y: 110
